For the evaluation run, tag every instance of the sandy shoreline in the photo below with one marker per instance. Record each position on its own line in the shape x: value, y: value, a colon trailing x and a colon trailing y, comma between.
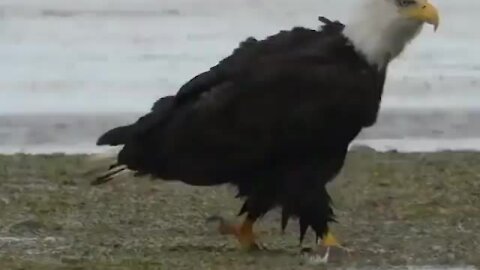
x: 393, y: 209
x: 402, y: 130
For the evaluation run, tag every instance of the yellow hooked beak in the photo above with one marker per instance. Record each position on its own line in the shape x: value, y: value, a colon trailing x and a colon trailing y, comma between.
x: 424, y: 12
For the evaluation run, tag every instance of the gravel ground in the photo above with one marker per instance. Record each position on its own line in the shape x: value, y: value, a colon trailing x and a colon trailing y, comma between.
x: 393, y: 210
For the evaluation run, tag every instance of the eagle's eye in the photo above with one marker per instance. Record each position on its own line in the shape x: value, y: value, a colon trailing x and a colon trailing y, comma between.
x: 406, y: 3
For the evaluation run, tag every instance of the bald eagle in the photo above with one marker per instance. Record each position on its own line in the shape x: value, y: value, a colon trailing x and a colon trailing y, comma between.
x: 276, y: 117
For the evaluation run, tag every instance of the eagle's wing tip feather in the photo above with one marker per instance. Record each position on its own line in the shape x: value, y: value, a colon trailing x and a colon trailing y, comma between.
x: 324, y: 20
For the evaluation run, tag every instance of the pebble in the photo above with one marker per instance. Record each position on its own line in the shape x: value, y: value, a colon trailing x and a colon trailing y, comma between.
x: 50, y: 239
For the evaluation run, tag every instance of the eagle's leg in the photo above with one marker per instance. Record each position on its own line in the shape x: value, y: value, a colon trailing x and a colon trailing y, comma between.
x: 242, y: 232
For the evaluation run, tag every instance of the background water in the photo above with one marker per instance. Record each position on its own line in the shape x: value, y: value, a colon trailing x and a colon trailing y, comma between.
x: 69, y: 70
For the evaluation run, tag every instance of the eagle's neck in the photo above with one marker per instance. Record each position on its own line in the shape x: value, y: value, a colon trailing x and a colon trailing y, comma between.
x: 379, y: 33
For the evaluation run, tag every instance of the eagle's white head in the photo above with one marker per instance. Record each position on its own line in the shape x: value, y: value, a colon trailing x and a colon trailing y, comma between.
x: 380, y: 29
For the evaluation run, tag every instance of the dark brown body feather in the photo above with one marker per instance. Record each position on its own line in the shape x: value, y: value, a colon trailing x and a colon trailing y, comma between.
x: 275, y: 119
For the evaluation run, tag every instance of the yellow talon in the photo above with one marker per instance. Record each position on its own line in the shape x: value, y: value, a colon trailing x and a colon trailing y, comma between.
x: 245, y: 236
x: 330, y: 241
x: 243, y: 233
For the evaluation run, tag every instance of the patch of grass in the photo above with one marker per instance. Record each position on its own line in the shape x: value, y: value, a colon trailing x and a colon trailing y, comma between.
x: 392, y: 208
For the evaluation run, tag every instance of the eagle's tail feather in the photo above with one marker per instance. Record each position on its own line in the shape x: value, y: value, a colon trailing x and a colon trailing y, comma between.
x: 114, y: 171
x: 103, y: 167
x: 117, y: 136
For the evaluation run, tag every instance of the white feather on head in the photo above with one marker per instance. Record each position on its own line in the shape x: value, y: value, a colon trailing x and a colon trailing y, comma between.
x: 380, y: 32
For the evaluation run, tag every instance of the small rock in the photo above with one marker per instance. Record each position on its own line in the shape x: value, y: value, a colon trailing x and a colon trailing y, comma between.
x: 437, y: 248
x: 50, y: 239
x: 362, y: 148
x: 4, y: 200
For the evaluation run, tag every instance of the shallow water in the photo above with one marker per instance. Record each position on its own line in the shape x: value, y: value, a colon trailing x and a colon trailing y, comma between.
x: 89, y: 56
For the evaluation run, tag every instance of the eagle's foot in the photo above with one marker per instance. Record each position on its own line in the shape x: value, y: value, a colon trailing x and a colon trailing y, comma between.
x: 329, y: 243
x: 315, y: 258
x: 243, y: 232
